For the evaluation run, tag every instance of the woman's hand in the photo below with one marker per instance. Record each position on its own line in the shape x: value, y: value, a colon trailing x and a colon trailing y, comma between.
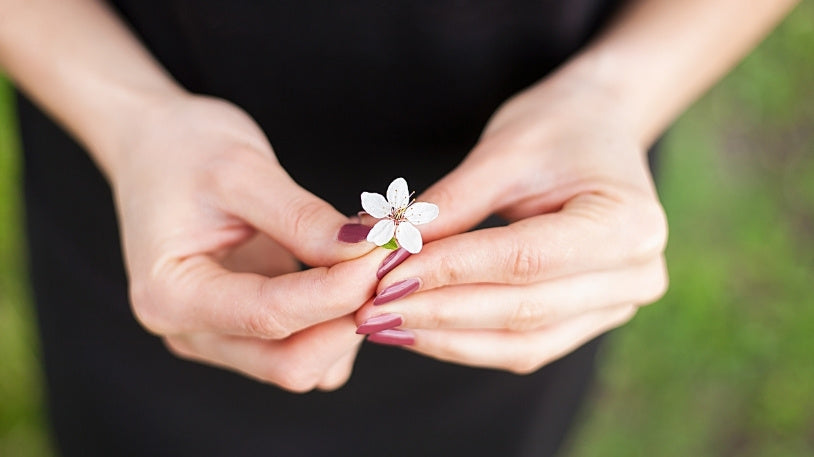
x: 213, y: 228
x: 583, y: 251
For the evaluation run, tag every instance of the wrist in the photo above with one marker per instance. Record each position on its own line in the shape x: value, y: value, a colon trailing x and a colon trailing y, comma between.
x: 576, y: 97
x: 636, y: 106
x: 593, y: 88
x: 115, y: 125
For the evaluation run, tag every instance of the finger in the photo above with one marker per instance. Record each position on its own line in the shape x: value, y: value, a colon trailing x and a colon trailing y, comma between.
x: 523, y: 308
x: 520, y: 353
x: 591, y: 233
x: 298, y: 364
x: 340, y: 372
x: 261, y: 193
x: 260, y: 255
x: 198, y: 295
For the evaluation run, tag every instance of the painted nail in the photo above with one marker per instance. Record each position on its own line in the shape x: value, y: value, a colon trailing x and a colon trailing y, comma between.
x: 392, y: 261
x: 353, y: 233
x: 379, y: 323
x: 393, y: 337
x: 398, y: 290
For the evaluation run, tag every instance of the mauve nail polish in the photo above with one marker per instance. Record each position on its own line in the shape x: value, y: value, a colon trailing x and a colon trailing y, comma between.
x: 353, y: 233
x: 398, y: 290
x: 379, y: 323
x: 393, y: 337
x: 392, y: 261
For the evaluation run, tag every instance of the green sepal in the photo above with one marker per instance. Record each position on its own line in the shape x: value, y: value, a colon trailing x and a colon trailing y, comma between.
x: 392, y: 244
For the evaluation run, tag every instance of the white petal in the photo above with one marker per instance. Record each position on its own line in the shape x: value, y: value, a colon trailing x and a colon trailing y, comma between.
x: 397, y: 193
x: 409, y: 237
x: 375, y: 205
x: 382, y: 232
x: 420, y: 213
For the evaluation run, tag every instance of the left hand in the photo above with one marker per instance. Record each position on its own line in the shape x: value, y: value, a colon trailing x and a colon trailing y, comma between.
x: 583, y: 251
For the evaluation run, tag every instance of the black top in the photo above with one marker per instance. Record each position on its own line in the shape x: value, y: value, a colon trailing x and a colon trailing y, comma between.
x: 355, y: 85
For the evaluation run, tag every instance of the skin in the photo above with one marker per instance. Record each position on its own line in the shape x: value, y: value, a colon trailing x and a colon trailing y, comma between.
x: 564, y: 160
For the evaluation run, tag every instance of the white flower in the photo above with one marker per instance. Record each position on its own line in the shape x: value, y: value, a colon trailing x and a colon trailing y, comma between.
x: 399, y: 216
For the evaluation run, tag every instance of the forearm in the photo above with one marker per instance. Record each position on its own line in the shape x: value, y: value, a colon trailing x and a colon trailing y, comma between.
x: 81, y: 64
x: 658, y: 56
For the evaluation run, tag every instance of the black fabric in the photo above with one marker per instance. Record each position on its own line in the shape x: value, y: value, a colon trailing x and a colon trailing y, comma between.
x: 343, y: 90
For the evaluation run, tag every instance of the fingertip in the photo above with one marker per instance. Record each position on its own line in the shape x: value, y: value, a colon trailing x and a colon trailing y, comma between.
x: 348, y: 241
x: 393, y: 260
x: 365, y: 312
x: 353, y: 232
x: 393, y: 337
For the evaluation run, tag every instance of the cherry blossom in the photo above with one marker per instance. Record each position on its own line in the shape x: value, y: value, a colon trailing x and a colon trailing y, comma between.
x: 399, y: 216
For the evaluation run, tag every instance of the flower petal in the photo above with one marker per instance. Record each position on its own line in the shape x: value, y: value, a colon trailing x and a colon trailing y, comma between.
x: 382, y: 232
x: 421, y: 212
x: 398, y: 195
x: 375, y: 205
x: 409, y: 237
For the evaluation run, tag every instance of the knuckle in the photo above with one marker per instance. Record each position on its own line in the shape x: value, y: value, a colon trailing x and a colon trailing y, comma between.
x: 659, y: 282
x: 523, y: 263
x: 303, y: 215
x: 524, y: 365
x: 526, y: 315
x: 146, y: 305
x: 447, y: 271
x: 160, y: 297
x: 336, y: 381
x: 439, y: 317
x: 178, y: 348
x: 625, y: 317
x: 266, y: 325
x: 651, y: 231
x: 297, y: 380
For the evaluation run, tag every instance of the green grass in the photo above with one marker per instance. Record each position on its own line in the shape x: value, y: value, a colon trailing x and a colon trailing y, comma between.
x: 723, y: 365
x: 22, y: 431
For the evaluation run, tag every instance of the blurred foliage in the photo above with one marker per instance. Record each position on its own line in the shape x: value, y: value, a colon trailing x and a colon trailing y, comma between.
x: 724, y: 364
x: 22, y: 431
x: 721, y: 366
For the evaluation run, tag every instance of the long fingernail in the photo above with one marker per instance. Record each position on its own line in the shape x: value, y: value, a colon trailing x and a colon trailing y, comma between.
x: 353, y: 233
x: 398, y: 290
x: 379, y: 323
x: 393, y: 337
x: 392, y: 261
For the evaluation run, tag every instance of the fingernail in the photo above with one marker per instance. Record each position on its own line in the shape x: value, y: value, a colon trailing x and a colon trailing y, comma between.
x: 398, y: 290
x: 379, y: 323
x: 353, y: 233
x: 393, y: 337
x: 392, y: 261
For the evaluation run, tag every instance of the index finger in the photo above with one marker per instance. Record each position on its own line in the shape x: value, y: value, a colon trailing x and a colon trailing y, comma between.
x: 590, y: 233
x: 199, y: 295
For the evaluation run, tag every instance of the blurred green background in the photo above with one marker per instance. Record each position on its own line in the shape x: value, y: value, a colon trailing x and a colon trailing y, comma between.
x: 723, y: 365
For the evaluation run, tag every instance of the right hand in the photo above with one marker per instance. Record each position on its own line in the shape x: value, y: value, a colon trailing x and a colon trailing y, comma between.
x: 212, y: 228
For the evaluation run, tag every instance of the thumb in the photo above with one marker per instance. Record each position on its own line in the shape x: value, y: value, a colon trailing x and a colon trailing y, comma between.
x: 266, y: 197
